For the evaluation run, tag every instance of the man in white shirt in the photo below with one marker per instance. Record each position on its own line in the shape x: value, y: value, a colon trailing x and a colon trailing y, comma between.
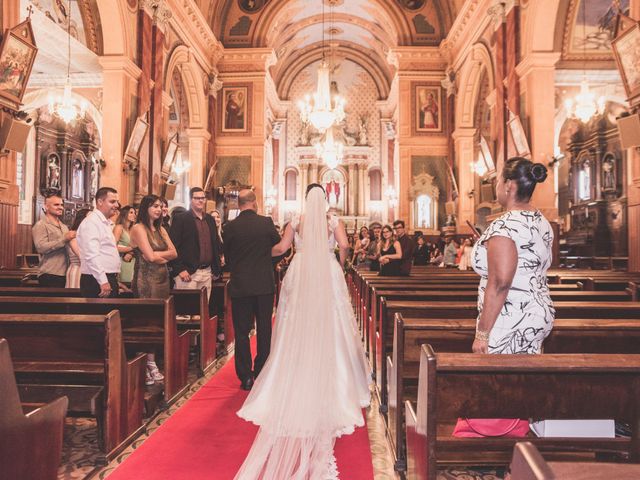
x: 99, y: 257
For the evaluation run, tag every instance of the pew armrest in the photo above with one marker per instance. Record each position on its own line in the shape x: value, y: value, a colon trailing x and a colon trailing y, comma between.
x: 135, y: 392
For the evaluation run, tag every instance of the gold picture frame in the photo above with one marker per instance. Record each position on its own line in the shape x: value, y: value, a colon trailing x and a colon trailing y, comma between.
x: 138, y: 133
x: 429, y: 111
x: 234, y: 110
x: 519, y: 137
x: 626, y: 50
x: 17, y: 55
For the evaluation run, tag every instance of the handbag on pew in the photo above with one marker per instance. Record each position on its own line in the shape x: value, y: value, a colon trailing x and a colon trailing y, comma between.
x: 491, y: 427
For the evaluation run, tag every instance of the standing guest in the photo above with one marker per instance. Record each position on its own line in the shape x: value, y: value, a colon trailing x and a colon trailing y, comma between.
x: 99, y: 257
x: 407, y: 247
x: 165, y: 214
x: 50, y: 236
x: 465, y: 259
x: 175, y: 211
x: 421, y: 253
x: 459, y: 251
x: 153, y: 250
x: 218, y: 219
x: 512, y: 257
x: 390, y: 254
x: 248, y: 240
x: 374, y: 247
x: 360, y: 250
x: 73, y: 252
x: 195, y: 237
x: 450, y: 253
x: 436, y: 257
x: 122, y: 233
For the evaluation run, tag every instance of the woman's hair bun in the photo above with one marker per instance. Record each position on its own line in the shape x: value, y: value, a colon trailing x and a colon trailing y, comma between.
x: 538, y: 172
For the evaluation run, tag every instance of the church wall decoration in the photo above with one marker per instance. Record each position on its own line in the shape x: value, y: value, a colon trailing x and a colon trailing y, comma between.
x: 233, y: 170
x: 251, y: 6
x: 412, y: 4
x: 234, y: 110
x: 17, y: 54
x: 519, y: 137
x: 626, y: 50
x: 428, y: 109
x: 132, y: 153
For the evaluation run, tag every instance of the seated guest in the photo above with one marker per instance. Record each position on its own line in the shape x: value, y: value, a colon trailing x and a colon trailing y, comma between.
x: 407, y: 247
x: 465, y: 259
x: 450, y: 253
x: 390, y: 254
x: 421, y: 253
x: 73, y: 252
x: 436, y: 258
x: 99, y: 257
x: 512, y: 257
x: 122, y: 233
x: 50, y: 236
x: 153, y: 250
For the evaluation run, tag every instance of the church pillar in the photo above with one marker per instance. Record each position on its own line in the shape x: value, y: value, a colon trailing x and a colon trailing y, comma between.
x: 361, y: 184
x: 313, y: 174
x: 120, y: 82
x: 537, y: 74
x: 304, y: 174
x: 353, y: 188
x: 198, y: 142
x: 633, y: 183
x: 464, y: 139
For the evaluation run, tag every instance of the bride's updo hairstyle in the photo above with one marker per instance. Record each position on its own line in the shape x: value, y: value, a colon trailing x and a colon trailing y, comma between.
x: 526, y: 174
x: 312, y: 186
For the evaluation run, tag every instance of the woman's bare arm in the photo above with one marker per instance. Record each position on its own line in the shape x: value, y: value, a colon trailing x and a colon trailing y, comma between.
x: 170, y: 253
x: 283, y: 245
x: 340, y: 234
x: 139, y: 239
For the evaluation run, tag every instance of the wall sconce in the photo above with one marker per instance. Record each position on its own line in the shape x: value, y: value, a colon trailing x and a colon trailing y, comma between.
x: 392, y: 196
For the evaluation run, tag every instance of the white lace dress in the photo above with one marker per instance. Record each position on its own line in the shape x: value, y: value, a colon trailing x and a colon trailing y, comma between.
x: 316, y: 380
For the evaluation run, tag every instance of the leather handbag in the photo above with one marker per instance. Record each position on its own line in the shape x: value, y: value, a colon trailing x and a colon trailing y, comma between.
x: 491, y: 427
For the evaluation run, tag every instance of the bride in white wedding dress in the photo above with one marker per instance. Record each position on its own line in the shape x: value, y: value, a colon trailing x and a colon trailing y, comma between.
x: 316, y: 381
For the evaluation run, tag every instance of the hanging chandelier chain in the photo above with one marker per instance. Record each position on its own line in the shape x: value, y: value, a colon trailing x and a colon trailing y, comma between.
x: 69, y: 42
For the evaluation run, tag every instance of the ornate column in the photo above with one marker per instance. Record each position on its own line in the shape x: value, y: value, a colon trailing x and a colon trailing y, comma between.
x: 633, y: 182
x: 304, y: 178
x: 198, y: 142
x: 362, y: 168
x: 313, y: 173
x: 120, y: 80
x: 353, y: 190
x: 464, y: 140
x: 537, y: 79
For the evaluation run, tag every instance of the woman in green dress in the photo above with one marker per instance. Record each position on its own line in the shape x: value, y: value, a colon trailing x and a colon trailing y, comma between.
x: 122, y: 232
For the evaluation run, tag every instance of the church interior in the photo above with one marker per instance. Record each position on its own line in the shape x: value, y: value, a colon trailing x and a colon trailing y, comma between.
x: 401, y: 110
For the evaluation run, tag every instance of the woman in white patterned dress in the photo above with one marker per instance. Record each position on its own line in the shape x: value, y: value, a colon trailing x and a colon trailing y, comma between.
x: 512, y: 257
x: 316, y: 380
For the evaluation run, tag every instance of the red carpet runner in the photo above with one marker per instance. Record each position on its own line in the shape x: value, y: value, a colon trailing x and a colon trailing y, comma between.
x: 206, y: 440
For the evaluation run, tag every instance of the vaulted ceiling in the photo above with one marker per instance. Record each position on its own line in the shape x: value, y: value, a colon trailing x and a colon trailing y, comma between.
x: 362, y: 31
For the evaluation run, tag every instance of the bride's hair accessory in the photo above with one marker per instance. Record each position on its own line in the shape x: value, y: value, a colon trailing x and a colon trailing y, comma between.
x: 311, y: 186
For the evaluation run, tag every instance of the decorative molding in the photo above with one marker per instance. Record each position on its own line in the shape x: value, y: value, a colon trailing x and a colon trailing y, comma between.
x: 247, y: 60
x: 418, y: 58
x: 537, y: 60
x: 120, y: 63
x: 215, y: 85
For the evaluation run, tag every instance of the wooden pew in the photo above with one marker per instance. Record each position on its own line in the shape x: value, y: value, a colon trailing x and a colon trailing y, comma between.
x: 145, y: 323
x: 528, y: 464
x: 31, y: 444
x: 469, y: 310
x: 569, y: 386
x: 82, y: 357
x: 567, y: 336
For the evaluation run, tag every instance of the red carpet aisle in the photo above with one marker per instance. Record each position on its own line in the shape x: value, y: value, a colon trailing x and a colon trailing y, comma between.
x: 206, y: 440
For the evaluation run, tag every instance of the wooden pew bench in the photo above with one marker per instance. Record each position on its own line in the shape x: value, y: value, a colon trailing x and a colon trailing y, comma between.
x: 146, y: 324
x: 469, y: 310
x: 567, y: 386
x: 567, y: 336
x: 83, y: 358
x: 31, y: 444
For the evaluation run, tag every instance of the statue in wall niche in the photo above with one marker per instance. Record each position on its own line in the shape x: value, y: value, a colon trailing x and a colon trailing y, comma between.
x: 305, y: 134
x: 608, y: 175
x: 77, y: 179
x: 53, y: 172
x: 362, y: 131
x: 95, y: 168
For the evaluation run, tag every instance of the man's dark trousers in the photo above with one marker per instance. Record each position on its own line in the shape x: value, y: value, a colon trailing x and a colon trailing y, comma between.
x: 244, y: 310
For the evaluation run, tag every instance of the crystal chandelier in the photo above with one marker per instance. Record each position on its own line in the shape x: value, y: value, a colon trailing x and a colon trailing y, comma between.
x: 584, y: 105
x: 64, y: 106
x: 181, y: 165
x: 321, y: 110
x: 330, y: 150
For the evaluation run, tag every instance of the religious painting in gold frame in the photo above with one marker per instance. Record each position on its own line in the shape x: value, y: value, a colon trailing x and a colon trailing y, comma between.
x: 428, y: 109
x: 234, y: 112
x: 626, y: 50
x: 17, y: 54
x: 137, y: 137
x: 519, y: 137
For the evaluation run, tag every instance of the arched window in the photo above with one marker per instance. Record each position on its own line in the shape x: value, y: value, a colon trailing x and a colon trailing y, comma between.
x: 290, y: 185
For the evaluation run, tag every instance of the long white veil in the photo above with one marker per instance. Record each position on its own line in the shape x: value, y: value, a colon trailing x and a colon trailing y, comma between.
x: 293, y: 399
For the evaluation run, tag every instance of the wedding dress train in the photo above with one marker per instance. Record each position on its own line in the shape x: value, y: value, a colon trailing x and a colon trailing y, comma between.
x: 316, y: 380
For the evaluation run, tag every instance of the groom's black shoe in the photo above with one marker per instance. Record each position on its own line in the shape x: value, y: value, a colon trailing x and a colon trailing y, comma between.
x: 247, y: 384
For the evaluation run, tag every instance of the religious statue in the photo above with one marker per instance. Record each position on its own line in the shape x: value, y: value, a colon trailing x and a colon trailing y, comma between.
x: 77, y: 179
x: 53, y: 172
x: 333, y: 192
x: 362, y: 131
x: 608, y: 175
x: 305, y: 134
x: 95, y: 170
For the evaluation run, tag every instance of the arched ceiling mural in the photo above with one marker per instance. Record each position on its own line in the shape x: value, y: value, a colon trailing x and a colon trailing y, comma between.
x: 362, y: 31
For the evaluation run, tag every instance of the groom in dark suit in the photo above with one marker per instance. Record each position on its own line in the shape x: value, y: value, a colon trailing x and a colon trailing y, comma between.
x: 247, y: 250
